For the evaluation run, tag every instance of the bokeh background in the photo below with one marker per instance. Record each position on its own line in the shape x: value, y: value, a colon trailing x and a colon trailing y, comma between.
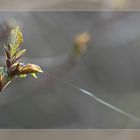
x: 70, y: 5
x: 110, y: 70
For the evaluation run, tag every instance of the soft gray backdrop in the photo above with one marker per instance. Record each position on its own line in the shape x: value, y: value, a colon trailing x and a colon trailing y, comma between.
x: 110, y: 70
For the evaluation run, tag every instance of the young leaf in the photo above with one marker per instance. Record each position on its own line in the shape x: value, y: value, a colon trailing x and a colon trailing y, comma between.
x: 7, y: 53
x: 15, y: 39
x: 2, y: 71
x: 19, y: 54
x: 34, y: 75
x: 30, y: 68
x: 22, y: 75
x: 1, y: 76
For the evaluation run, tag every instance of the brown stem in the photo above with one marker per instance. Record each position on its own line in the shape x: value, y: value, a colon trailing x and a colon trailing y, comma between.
x: 4, y: 83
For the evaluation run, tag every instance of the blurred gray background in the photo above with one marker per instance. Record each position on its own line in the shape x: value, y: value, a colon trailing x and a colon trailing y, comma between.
x: 70, y: 5
x: 110, y: 70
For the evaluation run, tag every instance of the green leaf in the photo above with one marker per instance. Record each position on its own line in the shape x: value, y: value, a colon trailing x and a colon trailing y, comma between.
x: 15, y: 39
x: 22, y: 75
x: 30, y: 68
x: 34, y: 75
x: 7, y: 52
x: 3, y: 71
x: 21, y: 52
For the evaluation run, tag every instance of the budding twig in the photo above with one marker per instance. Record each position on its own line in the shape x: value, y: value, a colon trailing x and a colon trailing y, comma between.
x: 13, y: 67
